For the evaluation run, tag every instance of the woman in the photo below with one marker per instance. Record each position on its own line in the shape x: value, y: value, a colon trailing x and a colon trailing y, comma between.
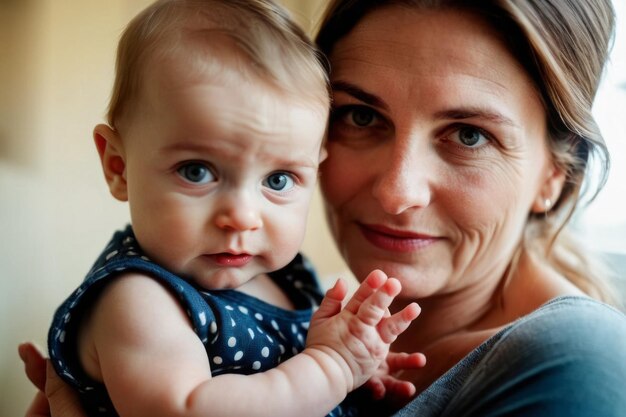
x: 460, y: 136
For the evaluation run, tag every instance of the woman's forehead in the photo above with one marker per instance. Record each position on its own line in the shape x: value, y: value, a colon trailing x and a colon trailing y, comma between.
x: 401, y: 43
x: 417, y: 34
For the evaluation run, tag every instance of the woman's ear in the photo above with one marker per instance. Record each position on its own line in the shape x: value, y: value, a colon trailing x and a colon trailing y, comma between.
x: 550, y: 190
x: 111, y: 151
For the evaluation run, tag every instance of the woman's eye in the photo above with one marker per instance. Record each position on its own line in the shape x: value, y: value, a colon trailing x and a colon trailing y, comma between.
x: 196, y: 173
x: 362, y: 116
x: 279, y: 181
x: 470, y: 137
x: 355, y: 116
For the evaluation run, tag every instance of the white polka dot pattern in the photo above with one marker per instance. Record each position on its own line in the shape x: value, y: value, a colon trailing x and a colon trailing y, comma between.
x: 241, y: 334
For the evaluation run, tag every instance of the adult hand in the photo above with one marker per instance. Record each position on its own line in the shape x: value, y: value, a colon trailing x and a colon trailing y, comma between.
x: 55, y: 397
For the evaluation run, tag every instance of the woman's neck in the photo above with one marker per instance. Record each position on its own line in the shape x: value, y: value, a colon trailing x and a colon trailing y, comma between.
x: 452, y: 325
x: 443, y: 315
x: 490, y: 304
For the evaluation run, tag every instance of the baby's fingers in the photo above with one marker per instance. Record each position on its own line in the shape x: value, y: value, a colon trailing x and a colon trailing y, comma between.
x: 375, y: 307
x: 392, y: 326
x: 401, y: 361
x: 374, y: 280
x: 376, y: 387
x: 331, y: 303
x: 397, y: 391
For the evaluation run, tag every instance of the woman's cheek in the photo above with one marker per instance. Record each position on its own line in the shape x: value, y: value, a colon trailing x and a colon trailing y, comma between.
x: 340, y: 177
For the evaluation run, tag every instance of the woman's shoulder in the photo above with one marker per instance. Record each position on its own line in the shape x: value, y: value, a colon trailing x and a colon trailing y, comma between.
x: 576, y: 302
x: 571, y: 323
x: 566, y: 358
x: 570, y: 315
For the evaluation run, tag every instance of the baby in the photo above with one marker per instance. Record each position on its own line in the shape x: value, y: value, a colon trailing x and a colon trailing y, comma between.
x: 203, y: 306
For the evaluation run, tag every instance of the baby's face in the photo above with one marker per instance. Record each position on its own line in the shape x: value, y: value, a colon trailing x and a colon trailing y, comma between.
x: 220, y: 176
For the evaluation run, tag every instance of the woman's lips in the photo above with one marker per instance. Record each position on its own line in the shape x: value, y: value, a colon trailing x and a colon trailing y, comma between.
x: 229, y: 259
x: 395, y: 240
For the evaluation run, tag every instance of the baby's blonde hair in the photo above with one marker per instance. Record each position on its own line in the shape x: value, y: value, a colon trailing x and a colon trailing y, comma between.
x: 273, y: 47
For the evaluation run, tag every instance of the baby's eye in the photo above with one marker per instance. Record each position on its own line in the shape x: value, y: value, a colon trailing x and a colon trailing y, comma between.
x: 196, y: 173
x: 470, y: 137
x: 279, y: 181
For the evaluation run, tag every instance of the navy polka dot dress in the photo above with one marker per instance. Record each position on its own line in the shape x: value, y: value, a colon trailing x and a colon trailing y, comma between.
x: 241, y: 333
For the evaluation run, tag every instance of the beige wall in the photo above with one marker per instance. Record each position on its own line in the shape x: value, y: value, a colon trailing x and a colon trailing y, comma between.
x: 56, y: 64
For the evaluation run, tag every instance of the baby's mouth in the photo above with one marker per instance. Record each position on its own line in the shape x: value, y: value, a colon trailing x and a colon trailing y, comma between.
x: 230, y: 259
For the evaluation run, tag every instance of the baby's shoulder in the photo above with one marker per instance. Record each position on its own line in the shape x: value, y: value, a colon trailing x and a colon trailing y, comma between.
x: 126, y: 309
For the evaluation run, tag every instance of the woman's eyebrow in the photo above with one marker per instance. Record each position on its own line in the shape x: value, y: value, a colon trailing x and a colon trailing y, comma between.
x: 359, y: 94
x: 473, y: 113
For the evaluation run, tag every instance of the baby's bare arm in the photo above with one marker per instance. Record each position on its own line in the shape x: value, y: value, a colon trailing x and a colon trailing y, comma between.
x: 140, y: 344
x: 345, y: 347
x: 153, y: 364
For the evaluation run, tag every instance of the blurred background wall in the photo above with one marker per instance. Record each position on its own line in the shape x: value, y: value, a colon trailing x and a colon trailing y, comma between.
x: 56, y: 71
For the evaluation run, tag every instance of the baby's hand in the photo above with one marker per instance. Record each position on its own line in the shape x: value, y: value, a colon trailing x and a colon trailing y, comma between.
x: 386, y: 385
x: 358, y: 336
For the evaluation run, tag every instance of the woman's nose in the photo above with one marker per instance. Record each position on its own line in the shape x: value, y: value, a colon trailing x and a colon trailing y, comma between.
x: 403, y: 181
x: 239, y: 213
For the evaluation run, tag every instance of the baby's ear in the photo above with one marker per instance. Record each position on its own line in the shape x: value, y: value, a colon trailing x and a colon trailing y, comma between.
x: 111, y: 151
x: 323, y: 153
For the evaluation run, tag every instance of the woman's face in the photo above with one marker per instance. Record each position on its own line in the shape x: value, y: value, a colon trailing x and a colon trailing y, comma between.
x: 437, y: 150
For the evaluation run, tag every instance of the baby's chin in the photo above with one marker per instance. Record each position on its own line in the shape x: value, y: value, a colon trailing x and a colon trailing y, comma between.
x: 208, y: 276
x: 222, y: 279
